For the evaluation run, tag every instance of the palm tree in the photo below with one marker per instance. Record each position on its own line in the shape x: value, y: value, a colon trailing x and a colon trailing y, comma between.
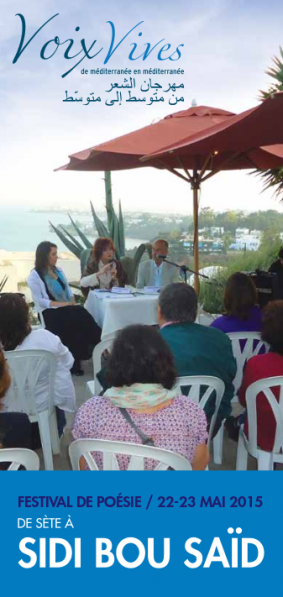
x: 277, y: 74
x: 273, y: 178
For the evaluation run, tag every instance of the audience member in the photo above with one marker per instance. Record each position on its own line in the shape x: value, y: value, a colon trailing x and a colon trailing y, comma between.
x: 277, y: 268
x: 15, y: 428
x: 103, y: 271
x: 53, y: 297
x: 155, y: 271
x: 16, y: 334
x: 262, y: 366
x: 197, y: 350
x: 141, y: 377
x: 242, y: 314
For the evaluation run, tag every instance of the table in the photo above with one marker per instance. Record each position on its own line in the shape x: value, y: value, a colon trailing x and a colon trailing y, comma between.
x: 113, y: 314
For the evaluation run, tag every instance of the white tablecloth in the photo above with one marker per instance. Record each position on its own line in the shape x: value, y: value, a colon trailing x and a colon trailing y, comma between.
x: 113, y: 314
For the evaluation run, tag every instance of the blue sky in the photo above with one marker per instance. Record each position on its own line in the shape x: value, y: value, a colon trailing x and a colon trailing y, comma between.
x: 228, y: 45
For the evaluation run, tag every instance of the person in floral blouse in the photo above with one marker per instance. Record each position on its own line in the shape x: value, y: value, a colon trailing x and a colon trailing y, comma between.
x: 141, y: 376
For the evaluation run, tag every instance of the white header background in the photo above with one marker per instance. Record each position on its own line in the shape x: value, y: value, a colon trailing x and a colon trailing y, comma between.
x: 228, y: 45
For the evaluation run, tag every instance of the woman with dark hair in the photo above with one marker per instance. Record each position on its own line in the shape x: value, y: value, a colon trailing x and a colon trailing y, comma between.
x: 15, y: 428
x: 54, y: 299
x: 142, y: 376
x: 277, y: 268
x: 242, y: 314
x: 16, y: 334
x: 263, y: 366
x: 103, y: 271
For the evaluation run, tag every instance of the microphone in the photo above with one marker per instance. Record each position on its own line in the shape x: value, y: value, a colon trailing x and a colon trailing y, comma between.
x: 162, y: 256
x: 112, y: 263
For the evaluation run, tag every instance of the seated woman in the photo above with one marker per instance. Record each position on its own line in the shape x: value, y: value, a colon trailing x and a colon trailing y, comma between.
x: 141, y: 374
x: 103, y: 271
x: 262, y: 366
x: 242, y: 314
x: 15, y: 428
x: 53, y: 297
x: 16, y: 334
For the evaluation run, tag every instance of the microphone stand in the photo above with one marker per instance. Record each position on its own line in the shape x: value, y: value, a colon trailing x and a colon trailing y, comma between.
x: 184, y: 269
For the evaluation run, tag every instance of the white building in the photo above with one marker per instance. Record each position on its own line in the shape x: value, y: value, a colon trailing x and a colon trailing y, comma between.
x: 241, y: 232
x: 216, y: 230
x: 247, y: 242
x: 256, y: 233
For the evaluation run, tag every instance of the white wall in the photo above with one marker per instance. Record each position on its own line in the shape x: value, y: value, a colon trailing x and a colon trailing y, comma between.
x: 12, y: 282
x: 23, y: 263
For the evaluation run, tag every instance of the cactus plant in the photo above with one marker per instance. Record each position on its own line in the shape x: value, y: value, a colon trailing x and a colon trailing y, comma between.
x: 3, y: 282
x: 115, y: 231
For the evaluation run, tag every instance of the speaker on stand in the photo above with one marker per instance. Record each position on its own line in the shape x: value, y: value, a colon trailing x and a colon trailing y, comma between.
x: 267, y: 286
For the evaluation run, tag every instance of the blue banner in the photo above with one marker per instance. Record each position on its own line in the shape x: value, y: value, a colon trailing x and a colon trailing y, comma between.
x: 140, y: 533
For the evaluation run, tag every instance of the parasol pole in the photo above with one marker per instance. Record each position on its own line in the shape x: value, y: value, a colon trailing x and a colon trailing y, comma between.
x: 194, y: 180
x: 195, y: 185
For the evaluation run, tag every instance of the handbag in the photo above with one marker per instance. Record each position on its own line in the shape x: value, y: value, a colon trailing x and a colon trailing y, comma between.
x: 146, y: 441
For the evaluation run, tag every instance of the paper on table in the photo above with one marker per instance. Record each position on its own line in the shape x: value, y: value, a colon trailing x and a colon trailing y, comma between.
x: 102, y: 294
x: 152, y: 289
x: 118, y: 295
x: 119, y: 290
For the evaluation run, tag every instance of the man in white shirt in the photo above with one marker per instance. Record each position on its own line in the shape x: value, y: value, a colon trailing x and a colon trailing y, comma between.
x: 155, y: 271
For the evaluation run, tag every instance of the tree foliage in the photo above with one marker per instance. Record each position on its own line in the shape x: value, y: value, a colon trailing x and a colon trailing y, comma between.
x: 211, y: 294
x: 230, y: 220
x: 273, y: 178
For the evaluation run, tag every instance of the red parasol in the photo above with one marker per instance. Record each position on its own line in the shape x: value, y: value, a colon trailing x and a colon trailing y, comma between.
x: 125, y: 152
x: 200, y: 139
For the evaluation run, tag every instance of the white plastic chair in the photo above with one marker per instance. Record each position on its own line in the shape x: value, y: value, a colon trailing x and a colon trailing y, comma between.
x: 20, y: 457
x: 205, y: 319
x: 27, y: 367
x: 249, y: 445
x: 138, y: 453
x: 93, y: 387
x: 252, y: 347
x: 40, y: 315
x: 41, y: 319
x: 213, y: 384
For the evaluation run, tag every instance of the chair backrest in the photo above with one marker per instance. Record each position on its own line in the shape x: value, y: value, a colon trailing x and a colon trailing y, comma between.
x: 196, y: 383
x: 29, y: 369
x: 96, y: 359
x: 138, y: 453
x: 264, y: 386
x: 39, y: 310
x: 41, y: 318
x: 205, y: 318
x: 245, y: 345
x: 20, y: 457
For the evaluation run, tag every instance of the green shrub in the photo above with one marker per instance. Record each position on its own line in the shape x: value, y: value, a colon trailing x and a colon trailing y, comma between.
x: 211, y: 293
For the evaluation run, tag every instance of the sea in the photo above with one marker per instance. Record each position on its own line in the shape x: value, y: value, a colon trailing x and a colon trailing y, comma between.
x: 22, y: 229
